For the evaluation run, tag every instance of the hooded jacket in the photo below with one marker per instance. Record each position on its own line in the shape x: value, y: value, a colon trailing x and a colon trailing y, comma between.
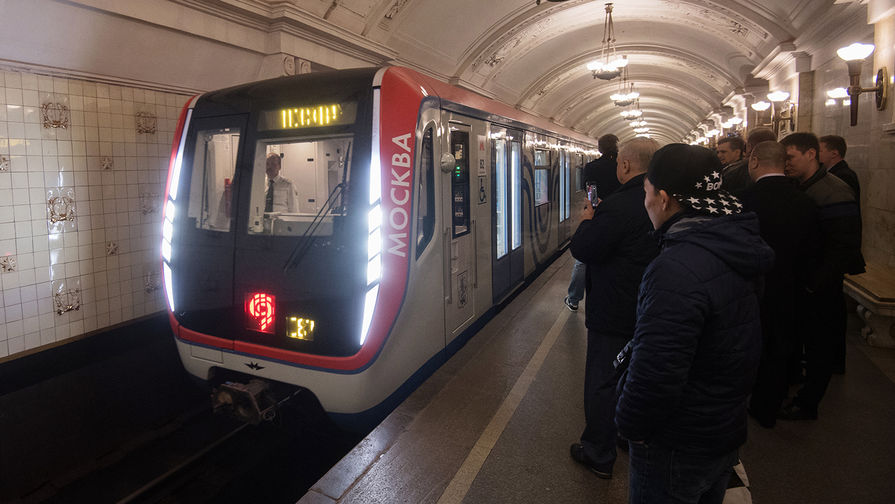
x: 697, y: 340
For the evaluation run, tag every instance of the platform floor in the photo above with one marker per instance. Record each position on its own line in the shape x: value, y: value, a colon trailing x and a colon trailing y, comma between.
x: 494, y: 425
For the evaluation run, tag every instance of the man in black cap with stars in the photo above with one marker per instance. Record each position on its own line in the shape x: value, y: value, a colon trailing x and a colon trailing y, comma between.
x: 697, y: 340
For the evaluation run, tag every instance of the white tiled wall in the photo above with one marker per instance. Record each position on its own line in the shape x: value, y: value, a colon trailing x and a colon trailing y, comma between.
x: 107, y: 258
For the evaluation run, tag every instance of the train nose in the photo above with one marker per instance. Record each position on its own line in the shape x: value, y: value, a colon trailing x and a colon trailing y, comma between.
x: 249, y: 402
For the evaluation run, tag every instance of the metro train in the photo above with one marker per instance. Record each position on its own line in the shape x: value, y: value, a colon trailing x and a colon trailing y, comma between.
x: 417, y: 209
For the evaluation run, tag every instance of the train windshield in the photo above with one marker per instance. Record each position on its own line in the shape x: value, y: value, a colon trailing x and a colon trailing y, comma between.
x: 297, y: 185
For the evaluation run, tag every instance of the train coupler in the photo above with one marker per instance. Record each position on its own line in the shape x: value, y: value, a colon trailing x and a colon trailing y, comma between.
x: 249, y: 402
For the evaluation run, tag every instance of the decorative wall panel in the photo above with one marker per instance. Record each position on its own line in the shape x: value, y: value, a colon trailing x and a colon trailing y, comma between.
x: 75, y: 245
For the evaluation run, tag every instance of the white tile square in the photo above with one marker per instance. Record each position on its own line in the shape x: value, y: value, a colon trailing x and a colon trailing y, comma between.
x: 13, y: 313
x: 29, y: 81
x: 16, y: 345
x: 32, y: 323
x: 14, y: 97
x: 14, y: 329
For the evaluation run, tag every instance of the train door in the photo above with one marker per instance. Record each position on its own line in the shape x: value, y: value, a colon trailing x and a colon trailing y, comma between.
x: 459, y: 253
x: 507, y: 252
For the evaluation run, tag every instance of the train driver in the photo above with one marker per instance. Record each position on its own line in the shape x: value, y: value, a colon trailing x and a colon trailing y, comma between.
x: 280, y: 195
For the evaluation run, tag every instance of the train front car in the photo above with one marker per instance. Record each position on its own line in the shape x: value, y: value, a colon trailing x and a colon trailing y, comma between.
x: 285, y: 236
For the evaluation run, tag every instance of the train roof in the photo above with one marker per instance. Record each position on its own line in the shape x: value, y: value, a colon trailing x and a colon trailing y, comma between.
x: 341, y: 83
x: 476, y: 101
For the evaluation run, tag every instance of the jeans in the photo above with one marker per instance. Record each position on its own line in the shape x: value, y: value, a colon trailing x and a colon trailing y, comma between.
x: 600, y: 397
x: 660, y: 475
x: 576, y: 285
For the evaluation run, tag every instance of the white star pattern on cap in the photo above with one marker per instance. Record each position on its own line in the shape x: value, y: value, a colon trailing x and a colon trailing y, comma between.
x: 716, y: 174
x: 725, y: 202
x: 710, y: 201
x: 699, y: 185
x: 711, y: 209
x: 693, y: 200
x: 738, y: 204
x: 728, y: 211
x: 707, y: 179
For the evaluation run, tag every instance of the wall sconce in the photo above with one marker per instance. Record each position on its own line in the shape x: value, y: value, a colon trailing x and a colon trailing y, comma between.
x: 853, y: 56
x: 784, y: 111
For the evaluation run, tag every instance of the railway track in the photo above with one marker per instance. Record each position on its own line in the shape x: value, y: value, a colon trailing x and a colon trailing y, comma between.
x: 205, y: 457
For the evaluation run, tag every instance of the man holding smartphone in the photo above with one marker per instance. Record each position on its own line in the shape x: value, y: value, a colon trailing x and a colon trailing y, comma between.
x: 614, y: 242
x: 598, y: 173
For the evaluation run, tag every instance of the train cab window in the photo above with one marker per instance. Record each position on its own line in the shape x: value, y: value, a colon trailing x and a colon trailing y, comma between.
x: 425, y: 211
x: 542, y: 177
x: 297, y: 185
x: 214, y: 162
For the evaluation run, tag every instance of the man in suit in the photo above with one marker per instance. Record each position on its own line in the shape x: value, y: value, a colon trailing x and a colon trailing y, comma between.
x: 788, y: 223
x: 736, y: 176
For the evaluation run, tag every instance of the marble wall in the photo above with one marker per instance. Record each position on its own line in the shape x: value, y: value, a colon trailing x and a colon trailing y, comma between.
x: 82, y: 177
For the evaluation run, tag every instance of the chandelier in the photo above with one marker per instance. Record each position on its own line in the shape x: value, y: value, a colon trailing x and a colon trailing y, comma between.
x: 608, y: 66
x: 626, y: 94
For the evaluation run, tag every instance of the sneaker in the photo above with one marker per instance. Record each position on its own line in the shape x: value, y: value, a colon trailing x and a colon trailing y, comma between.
x: 576, y: 451
x: 792, y: 411
x: 570, y: 305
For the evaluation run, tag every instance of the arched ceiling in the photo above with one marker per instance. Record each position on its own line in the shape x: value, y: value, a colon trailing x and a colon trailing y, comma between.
x: 686, y: 57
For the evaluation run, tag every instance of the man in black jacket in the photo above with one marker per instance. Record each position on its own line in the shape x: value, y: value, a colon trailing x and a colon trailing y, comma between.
x: 615, y: 243
x: 599, y: 172
x: 789, y: 225
x: 697, y: 340
x: 832, y: 156
x: 840, y: 253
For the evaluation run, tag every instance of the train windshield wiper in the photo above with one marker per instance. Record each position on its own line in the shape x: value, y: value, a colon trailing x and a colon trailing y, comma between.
x: 304, y: 244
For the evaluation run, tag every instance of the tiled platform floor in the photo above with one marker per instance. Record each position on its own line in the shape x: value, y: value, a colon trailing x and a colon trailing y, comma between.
x: 495, y: 423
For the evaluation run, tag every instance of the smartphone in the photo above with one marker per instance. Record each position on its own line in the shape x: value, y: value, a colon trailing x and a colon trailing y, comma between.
x: 592, y: 194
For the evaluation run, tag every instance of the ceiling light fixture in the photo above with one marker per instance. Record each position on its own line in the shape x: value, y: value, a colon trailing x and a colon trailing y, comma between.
x: 608, y: 66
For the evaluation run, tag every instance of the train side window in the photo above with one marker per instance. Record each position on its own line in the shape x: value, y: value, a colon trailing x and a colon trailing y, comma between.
x: 214, y: 162
x: 542, y: 177
x: 425, y: 211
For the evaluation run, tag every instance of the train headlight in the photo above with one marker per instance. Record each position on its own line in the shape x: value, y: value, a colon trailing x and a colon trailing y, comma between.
x: 169, y: 289
x: 170, y: 197
x: 374, y: 227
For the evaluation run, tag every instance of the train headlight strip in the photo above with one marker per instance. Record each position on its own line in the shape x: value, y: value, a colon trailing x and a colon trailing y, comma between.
x: 374, y: 226
x: 169, y: 212
x: 178, y: 161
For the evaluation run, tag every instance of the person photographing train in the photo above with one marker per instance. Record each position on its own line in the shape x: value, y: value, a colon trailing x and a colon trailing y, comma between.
x: 614, y: 242
x: 280, y: 194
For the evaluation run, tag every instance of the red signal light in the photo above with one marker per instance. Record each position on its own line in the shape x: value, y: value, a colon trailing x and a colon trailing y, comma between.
x: 260, y: 309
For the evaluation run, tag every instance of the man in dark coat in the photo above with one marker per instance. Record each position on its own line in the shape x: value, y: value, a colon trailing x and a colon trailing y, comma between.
x: 831, y: 154
x: 697, y: 340
x: 599, y: 172
x: 736, y: 177
x: 840, y: 253
x: 789, y: 225
x: 615, y: 243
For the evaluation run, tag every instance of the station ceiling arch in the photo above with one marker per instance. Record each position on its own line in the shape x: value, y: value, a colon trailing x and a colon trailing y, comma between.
x: 686, y: 57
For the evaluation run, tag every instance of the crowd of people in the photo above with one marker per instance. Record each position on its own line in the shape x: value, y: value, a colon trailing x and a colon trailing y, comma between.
x: 713, y: 283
